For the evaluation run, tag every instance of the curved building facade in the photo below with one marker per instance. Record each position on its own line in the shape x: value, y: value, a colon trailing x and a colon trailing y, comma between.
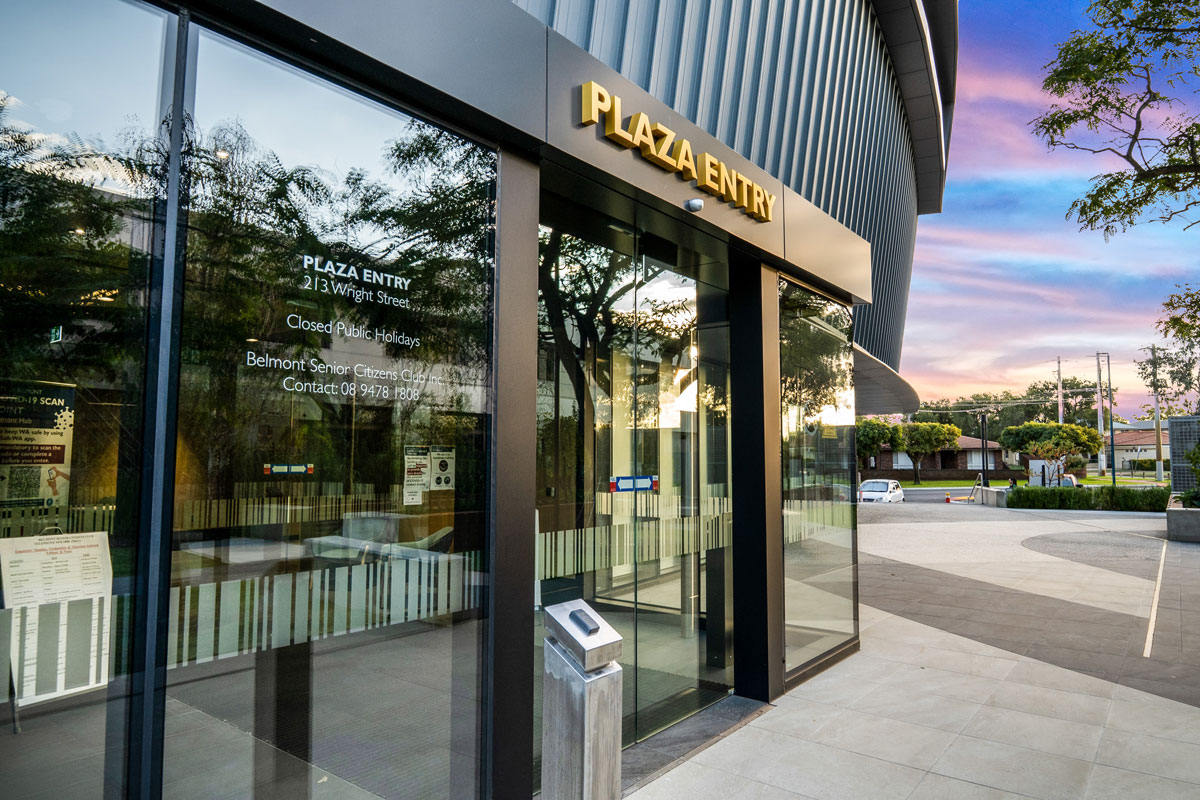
x: 347, y: 348
x: 811, y: 92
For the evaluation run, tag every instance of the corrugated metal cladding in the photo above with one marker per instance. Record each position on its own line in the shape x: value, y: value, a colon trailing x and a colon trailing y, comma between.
x: 804, y: 88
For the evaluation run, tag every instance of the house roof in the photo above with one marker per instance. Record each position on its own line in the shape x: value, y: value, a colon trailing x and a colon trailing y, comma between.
x: 971, y: 443
x: 1138, y: 438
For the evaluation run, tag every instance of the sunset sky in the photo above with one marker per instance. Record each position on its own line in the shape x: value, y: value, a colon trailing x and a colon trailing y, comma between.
x: 1002, y: 281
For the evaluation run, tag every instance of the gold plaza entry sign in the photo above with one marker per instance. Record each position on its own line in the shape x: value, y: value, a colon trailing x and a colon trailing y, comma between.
x: 659, y: 146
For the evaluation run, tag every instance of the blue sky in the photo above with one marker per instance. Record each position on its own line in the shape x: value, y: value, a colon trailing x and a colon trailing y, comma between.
x: 1002, y: 281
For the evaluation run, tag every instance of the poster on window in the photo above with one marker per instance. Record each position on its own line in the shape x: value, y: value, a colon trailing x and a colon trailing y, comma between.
x: 441, y: 462
x: 59, y: 591
x: 416, y: 473
x: 37, y: 424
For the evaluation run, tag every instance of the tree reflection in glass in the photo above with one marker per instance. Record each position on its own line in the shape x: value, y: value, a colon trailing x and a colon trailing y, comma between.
x: 332, y: 468
x: 817, y: 394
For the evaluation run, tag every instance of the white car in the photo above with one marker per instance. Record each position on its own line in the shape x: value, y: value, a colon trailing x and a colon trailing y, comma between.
x: 880, y: 491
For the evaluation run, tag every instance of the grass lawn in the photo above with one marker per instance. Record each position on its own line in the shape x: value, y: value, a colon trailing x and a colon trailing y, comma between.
x: 932, y: 484
x: 1091, y: 480
x: 1122, y: 480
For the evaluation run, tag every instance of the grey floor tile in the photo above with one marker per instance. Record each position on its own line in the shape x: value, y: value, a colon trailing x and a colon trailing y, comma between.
x: 885, y: 738
x: 797, y: 717
x: 933, y: 711
x: 1167, y: 721
x: 958, y: 685
x: 1085, y: 708
x: 1014, y: 769
x: 1036, y: 732
x: 940, y: 787
x: 1037, y: 673
x: 834, y: 691
x: 1150, y: 754
x: 810, y: 769
x: 693, y: 780
x: 1110, y: 783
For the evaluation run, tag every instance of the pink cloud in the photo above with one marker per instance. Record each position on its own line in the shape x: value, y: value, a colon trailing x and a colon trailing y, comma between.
x: 979, y: 82
x: 991, y: 126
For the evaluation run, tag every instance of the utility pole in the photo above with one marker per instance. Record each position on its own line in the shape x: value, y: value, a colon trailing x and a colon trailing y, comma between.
x: 1060, y: 399
x: 1100, y: 414
x: 983, y: 426
x: 1112, y: 439
x: 1158, y: 459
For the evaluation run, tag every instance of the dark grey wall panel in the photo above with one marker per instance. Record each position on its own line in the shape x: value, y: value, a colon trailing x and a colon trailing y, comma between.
x: 805, y: 89
x: 497, y: 64
x: 567, y: 72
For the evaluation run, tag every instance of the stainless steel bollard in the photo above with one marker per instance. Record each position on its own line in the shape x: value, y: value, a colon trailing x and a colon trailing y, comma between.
x: 581, y: 705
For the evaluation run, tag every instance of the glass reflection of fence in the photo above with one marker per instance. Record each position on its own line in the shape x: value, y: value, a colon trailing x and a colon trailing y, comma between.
x: 570, y: 552
x: 56, y: 649
x: 203, y: 514
x: 815, y: 518
x: 212, y: 621
x: 29, y: 521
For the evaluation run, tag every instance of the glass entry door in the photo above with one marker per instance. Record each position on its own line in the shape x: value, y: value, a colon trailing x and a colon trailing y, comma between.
x: 817, y: 451
x: 633, y: 471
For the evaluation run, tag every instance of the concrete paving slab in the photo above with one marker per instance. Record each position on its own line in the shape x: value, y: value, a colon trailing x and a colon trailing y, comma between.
x: 1012, y: 642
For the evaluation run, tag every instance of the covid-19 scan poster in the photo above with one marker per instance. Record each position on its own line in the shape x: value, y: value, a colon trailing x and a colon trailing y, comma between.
x: 37, y: 424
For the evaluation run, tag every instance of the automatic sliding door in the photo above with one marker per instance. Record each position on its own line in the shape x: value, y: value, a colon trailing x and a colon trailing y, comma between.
x: 683, y: 522
x: 633, y: 470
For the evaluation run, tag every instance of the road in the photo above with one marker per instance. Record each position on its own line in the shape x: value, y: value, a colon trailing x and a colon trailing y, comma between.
x: 934, y: 494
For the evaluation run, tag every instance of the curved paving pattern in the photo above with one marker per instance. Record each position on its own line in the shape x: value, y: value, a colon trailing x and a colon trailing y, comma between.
x: 1001, y: 658
x: 1117, y: 552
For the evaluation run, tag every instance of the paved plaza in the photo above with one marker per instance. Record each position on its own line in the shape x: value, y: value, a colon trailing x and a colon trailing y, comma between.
x: 1005, y: 654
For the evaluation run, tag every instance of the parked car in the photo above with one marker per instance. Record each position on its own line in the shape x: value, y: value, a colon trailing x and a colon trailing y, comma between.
x: 880, y: 491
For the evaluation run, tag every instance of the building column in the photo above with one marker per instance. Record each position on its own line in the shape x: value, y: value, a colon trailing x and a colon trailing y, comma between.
x: 509, y: 667
x: 757, y: 487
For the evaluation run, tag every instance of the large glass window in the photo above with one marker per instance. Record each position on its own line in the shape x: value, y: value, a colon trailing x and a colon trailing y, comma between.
x: 79, y: 171
x: 332, y: 465
x: 633, y: 471
x: 817, y: 396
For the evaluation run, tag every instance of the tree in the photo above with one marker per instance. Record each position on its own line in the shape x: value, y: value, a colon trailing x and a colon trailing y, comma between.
x: 1039, y: 403
x: 1174, y: 371
x: 870, y: 434
x: 1050, y: 441
x: 920, y: 439
x: 1173, y: 375
x: 1079, y: 401
x: 1122, y: 88
x: 1080, y: 439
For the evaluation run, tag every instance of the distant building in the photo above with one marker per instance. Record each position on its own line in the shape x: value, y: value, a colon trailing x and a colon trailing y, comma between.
x: 1136, y: 443
x: 968, y: 456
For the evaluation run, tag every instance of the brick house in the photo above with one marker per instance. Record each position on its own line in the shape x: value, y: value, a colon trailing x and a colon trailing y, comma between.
x: 962, y: 464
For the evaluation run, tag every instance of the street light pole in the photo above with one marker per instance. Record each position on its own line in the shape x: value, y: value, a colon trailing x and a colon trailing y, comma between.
x: 1112, y: 439
x: 984, y: 431
x: 1100, y: 415
x: 1060, y: 397
x: 1158, y: 459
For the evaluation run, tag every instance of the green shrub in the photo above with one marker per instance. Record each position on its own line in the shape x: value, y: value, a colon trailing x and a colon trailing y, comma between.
x: 1060, y: 497
x: 1147, y: 464
x: 1190, y: 498
x: 1076, y: 463
x: 1103, y: 498
x: 1127, y: 498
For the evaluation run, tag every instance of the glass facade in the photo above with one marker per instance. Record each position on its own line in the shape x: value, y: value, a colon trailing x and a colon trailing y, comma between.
x: 79, y: 197
x: 332, y: 457
x: 817, y: 396
x: 633, y: 470
x: 310, y: 440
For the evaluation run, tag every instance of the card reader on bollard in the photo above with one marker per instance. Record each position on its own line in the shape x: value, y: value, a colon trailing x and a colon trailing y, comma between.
x: 581, y: 705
